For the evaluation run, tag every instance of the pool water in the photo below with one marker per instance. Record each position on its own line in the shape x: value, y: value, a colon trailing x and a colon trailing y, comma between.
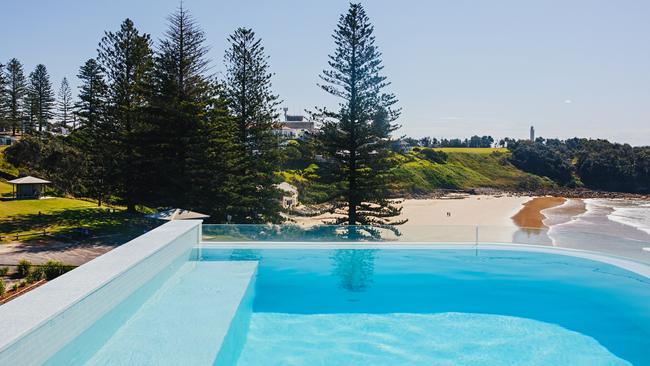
x: 388, y: 307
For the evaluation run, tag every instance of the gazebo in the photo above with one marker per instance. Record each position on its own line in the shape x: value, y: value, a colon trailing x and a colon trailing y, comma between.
x: 28, y: 187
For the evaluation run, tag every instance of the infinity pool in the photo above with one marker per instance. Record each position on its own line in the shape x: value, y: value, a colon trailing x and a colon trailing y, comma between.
x: 381, y: 307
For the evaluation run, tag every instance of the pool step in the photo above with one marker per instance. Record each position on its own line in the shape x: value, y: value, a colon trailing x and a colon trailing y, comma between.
x: 202, y: 309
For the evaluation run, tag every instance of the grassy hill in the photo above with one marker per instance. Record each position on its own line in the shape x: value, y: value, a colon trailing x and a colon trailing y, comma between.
x: 465, y: 168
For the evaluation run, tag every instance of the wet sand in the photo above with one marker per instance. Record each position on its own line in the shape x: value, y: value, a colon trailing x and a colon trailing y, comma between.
x: 531, y: 216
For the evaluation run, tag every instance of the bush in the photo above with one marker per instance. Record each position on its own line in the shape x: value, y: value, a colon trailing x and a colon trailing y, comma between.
x: 23, y: 268
x: 34, y: 275
x: 2, y: 287
x: 53, y: 269
x: 4, y: 271
x: 434, y: 156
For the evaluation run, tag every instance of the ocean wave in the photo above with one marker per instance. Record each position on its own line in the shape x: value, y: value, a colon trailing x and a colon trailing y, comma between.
x: 637, y: 217
x: 601, y: 221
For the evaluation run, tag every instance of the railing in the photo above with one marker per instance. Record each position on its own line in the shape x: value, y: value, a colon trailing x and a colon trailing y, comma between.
x: 625, y: 247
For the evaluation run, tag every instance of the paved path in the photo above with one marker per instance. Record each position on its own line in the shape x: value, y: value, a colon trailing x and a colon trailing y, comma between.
x: 40, y: 251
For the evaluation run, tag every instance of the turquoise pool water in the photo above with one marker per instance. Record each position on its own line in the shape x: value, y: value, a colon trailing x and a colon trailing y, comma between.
x: 385, y: 307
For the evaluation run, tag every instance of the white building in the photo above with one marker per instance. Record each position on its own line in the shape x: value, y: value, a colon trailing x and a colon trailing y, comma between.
x: 295, y: 126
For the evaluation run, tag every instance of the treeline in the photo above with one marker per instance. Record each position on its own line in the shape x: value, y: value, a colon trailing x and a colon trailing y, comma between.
x: 154, y: 128
x: 151, y: 126
x: 474, y: 141
x: 576, y: 162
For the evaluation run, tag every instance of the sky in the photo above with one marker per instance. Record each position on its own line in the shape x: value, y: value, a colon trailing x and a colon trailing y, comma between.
x: 458, y: 67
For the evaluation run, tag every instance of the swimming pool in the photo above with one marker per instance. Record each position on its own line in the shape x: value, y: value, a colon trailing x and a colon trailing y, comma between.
x: 360, y: 304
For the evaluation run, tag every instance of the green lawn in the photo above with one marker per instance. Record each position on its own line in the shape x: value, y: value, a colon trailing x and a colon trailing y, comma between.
x: 64, y: 217
x: 47, y: 206
x: 5, y: 190
x: 472, y: 150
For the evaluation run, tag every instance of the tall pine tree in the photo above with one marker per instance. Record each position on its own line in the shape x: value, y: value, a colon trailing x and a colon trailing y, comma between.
x: 16, y: 91
x: 41, y: 100
x: 254, y: 106
x: 356, y: 138
x: 193, y: 139
x: 64, y: 106
x: 4, y: 101
x: 126, y: 59
x: 94, y: 131
x: 182, y: 97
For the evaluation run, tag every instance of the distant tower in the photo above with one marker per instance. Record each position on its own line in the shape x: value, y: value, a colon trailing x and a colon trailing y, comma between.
x: 285, y: 109
x: 532, y: 133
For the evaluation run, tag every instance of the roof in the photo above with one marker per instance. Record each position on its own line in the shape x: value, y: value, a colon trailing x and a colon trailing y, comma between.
x: 178, y: 214
x: 288, y: 188
x: 304, y: 125
x: 29, y: 180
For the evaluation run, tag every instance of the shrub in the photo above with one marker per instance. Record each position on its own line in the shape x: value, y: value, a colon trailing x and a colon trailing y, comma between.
x: 23, y: 268
x: 34, y: 275
x: 2, y: 287
x: 434, y: 156
x: 53, y: 269
x: 4, y: 271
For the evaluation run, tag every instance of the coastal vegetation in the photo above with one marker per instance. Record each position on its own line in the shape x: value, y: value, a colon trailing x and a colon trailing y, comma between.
x: 594, y: 164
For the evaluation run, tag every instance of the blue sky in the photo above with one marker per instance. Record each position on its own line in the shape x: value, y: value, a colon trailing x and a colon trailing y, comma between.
x: 569, y: 67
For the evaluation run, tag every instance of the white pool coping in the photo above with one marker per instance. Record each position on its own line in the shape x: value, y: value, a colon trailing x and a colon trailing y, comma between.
x: 639, y: 268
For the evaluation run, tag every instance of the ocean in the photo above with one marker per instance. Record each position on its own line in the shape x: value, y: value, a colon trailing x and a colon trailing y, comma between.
x: 615, y: 226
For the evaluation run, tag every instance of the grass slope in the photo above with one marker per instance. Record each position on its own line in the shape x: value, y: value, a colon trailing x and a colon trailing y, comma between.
x: 465, y: 168
x: 473, y: 150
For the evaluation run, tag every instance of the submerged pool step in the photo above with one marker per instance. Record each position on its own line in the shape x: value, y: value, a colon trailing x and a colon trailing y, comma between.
x: 201, y: 309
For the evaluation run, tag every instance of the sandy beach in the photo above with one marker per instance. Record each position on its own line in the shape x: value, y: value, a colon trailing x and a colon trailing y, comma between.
x: 453, y: 219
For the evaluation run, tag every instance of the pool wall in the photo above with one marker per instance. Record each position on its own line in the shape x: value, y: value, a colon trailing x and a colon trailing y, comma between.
x: 39, y: 324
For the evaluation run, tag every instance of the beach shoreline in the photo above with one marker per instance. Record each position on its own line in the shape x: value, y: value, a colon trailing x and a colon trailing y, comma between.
x: 531, y: 214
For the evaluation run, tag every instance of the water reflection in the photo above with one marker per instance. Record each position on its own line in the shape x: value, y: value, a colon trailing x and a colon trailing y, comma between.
x: 355, y: 268
x: 290, y: 232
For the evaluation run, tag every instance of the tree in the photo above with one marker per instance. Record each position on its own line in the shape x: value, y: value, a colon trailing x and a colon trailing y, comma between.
x: 64, y: 106
x: 181, y: 102
x: 126, y: 59
x: 93, y: 91
x: 253, y: 105
x: 4, y: 102
x: 541, y: 159
x: 17, y: 89
x: 94, y: 131
x: 354, y: 142
x: 41, y: 99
